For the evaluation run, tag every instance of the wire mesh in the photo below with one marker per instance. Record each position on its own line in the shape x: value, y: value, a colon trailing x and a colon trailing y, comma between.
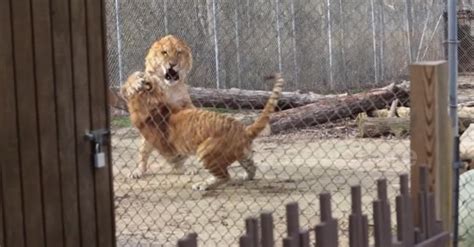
x: 324, y: 49
x: 465, y: 91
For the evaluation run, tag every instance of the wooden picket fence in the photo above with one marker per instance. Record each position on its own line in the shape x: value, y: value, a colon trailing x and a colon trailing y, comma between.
x: 428, y: 234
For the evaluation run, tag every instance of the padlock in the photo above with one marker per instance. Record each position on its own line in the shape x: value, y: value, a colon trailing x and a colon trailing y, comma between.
x: 99, y: 157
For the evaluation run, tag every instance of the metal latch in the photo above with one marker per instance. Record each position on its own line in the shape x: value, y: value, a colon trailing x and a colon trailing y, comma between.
x: 98, y: 138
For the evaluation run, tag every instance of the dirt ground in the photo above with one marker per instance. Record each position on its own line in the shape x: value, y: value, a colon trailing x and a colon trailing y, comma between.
x: 161, y: 207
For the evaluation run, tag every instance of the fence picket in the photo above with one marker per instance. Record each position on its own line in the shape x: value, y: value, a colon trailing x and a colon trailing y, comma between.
x: 429, y: 234
x: 405, y: 226
x: 245, y: 241
x: 189, y: 240
x: 266, y: 224
x: 293, y: 222
x: 385, y: 207
x: 423, y: 200
x: 358, y: 223
x: 290, y: 242
x: 304, y: 238
x: 251, y: 226
x: 326, y: 231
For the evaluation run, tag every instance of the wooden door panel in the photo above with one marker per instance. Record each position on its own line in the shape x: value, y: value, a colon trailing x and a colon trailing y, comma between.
x: 53, y: 90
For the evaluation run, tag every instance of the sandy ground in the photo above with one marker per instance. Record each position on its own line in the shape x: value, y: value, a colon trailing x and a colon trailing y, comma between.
x: 161, y: 207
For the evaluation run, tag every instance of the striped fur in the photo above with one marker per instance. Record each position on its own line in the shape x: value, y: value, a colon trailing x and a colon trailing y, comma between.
x: 259, y: 125
x: 216, y: 140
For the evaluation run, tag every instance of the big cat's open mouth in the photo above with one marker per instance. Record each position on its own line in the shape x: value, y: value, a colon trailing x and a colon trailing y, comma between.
x: 172, y: 75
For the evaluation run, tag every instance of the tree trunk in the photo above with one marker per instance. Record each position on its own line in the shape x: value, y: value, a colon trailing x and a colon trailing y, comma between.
x: 382, y: 125
x: 465, y: 115
x: 235, y: 98
x: 248, y: 99
x: 329, y: 109
x: 375, y: 127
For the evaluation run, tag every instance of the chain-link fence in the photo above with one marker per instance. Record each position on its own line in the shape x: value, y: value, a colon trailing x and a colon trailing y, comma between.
x: 465, y: 18
x: 319, y: 45
x: 332, y: 54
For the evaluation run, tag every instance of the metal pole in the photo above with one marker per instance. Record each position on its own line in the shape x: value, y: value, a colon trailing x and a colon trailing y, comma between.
x: 453, y: 76
x: 329, y: 30
x: 216, y: 44
x: 374, y: 40
x: 119, y: 41
x: 277, y: 10
x: 165, y: 15
x: 293, y: 39
x: 237, y: 45
x: 409, y: 23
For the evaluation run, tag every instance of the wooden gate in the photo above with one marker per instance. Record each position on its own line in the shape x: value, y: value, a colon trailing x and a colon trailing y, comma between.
x: 53, y: 89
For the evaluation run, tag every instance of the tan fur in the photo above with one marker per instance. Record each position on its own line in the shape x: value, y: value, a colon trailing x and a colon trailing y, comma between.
x: 167, y: 51
x: 216, y: 140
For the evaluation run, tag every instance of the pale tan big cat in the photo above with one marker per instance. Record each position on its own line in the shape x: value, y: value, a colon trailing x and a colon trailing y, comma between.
x: 170, y: 59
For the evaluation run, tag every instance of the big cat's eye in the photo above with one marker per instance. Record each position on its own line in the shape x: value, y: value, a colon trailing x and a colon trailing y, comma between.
x: 164, y: 52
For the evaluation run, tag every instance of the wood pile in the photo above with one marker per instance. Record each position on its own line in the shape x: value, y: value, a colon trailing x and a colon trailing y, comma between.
x: 378, y: 112
x: 295, y: 110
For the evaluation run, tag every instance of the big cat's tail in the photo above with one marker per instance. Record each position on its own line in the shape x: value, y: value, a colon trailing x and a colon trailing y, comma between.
x: 254, y: 129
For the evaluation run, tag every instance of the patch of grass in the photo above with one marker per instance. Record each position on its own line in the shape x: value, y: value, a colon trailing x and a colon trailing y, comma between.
x: 120, y: 122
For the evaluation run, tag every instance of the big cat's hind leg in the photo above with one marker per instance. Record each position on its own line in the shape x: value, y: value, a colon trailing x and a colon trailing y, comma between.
x: 249, y: 165
x: 215, y: 162
x: 177, y: 163
x: 219, y: 175
x: 144, y: 154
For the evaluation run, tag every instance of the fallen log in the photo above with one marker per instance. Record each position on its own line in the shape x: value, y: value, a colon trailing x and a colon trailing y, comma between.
x: 403, y: 112
x: 392, y: 112
x: 465, y: 100
x: 329, y: 109
x: 383, y: 122
x: 399, y: 112
x: 379, y: 123
x: 249, y: 99
x: 465, y: 115
x: 240, y: 99
x: 376, y: 127
x: 234, y: 98
x: 466, y: 104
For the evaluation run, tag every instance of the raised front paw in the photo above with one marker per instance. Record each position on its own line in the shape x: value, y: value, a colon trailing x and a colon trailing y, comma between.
x: 137, y: 83
x: 137, y: 86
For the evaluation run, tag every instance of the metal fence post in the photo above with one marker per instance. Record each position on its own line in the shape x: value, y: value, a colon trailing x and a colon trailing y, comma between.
x: 453, y: 76
x: 119, y: 41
